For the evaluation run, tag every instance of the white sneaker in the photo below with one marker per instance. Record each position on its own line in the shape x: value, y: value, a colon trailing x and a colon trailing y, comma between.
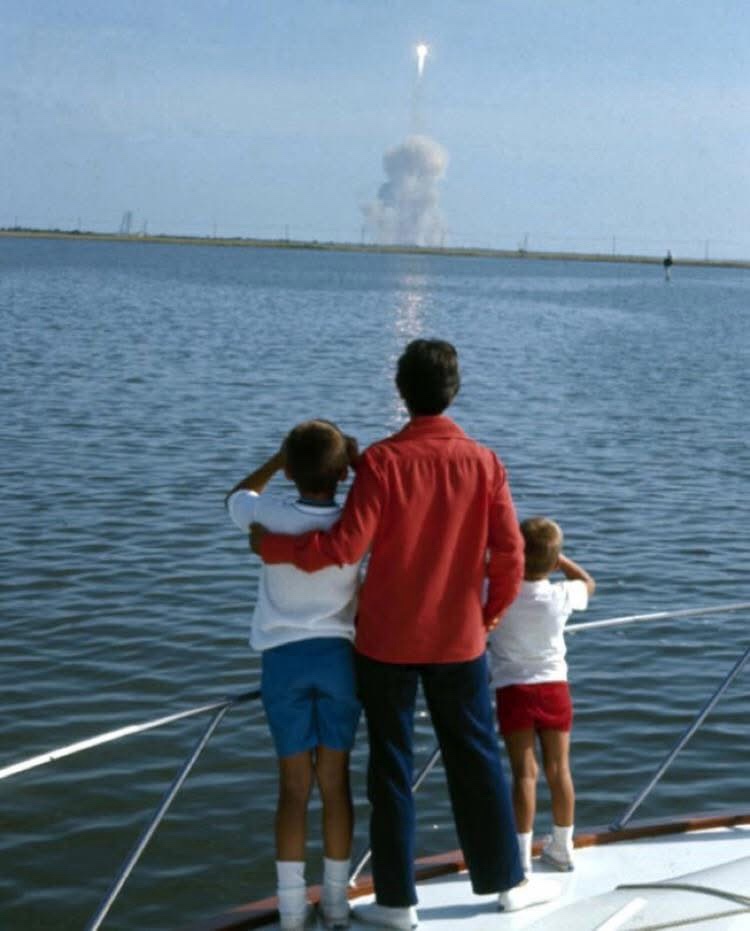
x: 382, y: 916
x: 292, y: 924
x: 335, y: 914
x: 532, y: 891
x: 295, y: 922
x: 554, y: 855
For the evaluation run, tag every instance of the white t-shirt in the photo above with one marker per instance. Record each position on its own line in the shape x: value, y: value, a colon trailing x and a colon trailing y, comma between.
x: 292, y: 604
x: 528, y: 646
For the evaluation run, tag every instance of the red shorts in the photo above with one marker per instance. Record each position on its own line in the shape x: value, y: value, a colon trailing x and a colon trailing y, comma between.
x: 544, y: 706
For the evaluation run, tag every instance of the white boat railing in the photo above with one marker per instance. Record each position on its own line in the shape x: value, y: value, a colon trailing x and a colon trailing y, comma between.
x: 53, y: 755
x: 127, y: 868
x: 655, y: 616
x: 220, y: 708
x: 710, y: 703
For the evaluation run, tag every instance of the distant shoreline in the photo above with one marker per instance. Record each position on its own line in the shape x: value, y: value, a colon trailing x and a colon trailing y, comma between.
x: 314, y: 245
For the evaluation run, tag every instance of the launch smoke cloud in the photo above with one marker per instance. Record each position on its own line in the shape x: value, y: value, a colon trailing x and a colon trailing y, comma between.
x: 406, y: 210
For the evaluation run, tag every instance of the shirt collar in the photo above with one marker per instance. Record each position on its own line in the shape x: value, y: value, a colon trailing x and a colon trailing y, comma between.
x: 432, y: 425
x: 314, y: 507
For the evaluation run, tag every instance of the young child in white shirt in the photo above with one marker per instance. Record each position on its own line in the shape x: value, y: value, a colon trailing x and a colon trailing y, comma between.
x: 303, y: 625
x: 529, y: 673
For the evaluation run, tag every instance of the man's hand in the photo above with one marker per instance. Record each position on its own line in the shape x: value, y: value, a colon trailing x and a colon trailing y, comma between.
x: 255, y: 537
x: 490, y: 625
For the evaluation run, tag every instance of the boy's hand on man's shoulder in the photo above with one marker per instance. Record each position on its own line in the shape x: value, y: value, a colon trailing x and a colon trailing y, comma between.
x: 255, y: 537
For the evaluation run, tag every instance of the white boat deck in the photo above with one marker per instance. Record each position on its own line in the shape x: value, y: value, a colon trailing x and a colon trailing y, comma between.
x: 587, y: 902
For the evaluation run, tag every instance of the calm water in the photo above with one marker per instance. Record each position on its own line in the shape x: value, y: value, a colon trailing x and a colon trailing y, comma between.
x: 139, y: 382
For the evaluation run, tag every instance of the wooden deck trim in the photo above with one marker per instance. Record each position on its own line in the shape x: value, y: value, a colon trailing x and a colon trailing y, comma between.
x: 262, y: 913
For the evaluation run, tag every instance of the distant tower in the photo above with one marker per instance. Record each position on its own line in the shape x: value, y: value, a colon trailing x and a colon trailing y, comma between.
x: 127, y: 222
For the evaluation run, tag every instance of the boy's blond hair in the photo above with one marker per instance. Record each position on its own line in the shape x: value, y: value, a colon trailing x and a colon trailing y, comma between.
x: 543, y: 541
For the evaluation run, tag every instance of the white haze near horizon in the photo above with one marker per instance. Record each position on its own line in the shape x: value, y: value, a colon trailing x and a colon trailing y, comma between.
x: 590, y: 126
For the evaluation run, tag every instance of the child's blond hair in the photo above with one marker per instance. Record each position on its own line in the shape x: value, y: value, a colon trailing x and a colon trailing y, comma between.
x: 543, y: 541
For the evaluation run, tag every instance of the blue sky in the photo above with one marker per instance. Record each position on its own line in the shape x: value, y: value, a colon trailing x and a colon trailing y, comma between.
x: 571, y: 122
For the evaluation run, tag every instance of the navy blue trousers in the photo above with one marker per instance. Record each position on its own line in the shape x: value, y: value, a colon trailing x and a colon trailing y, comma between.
x: 458, y: 698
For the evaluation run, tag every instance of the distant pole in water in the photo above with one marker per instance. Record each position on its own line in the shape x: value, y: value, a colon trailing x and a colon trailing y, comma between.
x: 668, y: 262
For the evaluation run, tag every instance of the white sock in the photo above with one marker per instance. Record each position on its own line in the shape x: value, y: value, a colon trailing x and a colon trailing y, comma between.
x: 524, y: 847
x: 335, y: 885
x: 562, y: 837
x: 335, y: 871
x: 290, y: 888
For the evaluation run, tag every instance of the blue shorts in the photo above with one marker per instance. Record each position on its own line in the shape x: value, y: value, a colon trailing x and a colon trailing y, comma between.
x: 309, y: 695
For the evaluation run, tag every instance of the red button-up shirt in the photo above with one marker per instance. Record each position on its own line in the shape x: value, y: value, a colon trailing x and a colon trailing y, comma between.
x: 434, y: 508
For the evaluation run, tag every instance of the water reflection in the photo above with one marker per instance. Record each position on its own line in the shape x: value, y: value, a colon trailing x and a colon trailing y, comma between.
x: 408, y: 325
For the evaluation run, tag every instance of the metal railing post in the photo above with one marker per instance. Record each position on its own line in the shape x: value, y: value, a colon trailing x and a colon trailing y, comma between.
x: 421, y: 776
x: 127, y: 867
x: 697, y: 721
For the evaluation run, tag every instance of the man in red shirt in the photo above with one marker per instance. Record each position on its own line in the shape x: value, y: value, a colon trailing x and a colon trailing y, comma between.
x: 434, y: 509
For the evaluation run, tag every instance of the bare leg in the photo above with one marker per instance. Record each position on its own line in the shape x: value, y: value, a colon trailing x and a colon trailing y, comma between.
x: 556, y: 759
x: 522, y: 756
x: 332, y: 771
x: 295, y: 782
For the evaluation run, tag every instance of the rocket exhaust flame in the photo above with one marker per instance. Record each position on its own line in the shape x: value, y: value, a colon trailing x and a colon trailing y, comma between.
x: 422, y: 53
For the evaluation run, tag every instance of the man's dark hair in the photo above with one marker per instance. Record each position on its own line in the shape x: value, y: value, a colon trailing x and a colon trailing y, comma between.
x: 316, y: 456
x: 427, y: 376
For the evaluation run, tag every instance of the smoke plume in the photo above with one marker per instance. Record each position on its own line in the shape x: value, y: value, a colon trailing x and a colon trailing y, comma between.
x: 406, y: 210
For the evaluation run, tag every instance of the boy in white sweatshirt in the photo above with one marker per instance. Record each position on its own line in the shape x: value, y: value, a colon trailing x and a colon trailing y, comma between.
x: 304, y: 626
